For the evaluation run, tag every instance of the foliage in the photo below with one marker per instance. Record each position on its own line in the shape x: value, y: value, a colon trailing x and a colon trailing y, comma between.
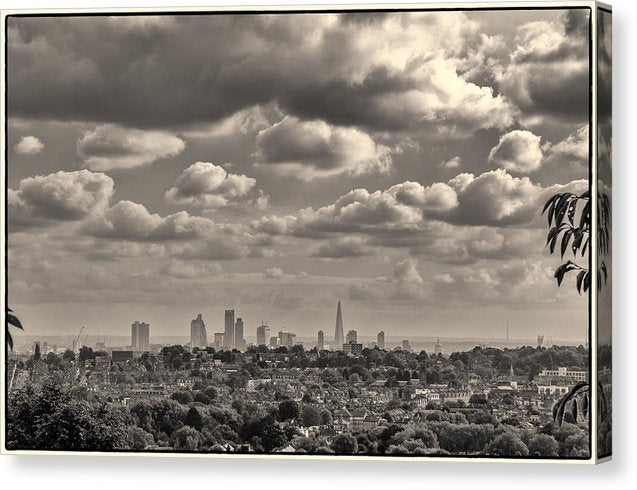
x: 507, y: 444
x: 345, y: 444
x: 13, y: 320
x: 51, y: 419
x: 572, y: 232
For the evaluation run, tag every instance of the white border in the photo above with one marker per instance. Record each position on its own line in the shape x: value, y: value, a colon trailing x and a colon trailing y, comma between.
x: 593, y: 5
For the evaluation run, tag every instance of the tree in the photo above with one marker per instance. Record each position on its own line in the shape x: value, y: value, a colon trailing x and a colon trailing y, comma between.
x: 543, y: 445
x: 63, y: 423
x: 288, y: 409
x: 562, y: 211
x: 194, y: 418
x: 137, y: 438
x: 86, y: 353
x: 310, y: 416
x: 345, y: 444
x: 183, y: 397
x: 12, y: 320
x: 326, y: 417
x: 68, y: 355
x: 507, y: 444
x: 186, y: 438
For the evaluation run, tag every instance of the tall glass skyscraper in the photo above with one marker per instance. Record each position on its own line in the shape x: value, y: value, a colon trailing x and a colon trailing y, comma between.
x: 339, y: 338
x: 228, y: 332
x: 198, y: 335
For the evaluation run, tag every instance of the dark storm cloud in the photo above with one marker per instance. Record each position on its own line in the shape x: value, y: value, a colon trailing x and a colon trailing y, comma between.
x: 178, y: 72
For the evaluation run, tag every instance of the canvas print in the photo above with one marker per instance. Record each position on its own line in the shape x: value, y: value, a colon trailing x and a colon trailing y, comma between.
x: 308, y: 233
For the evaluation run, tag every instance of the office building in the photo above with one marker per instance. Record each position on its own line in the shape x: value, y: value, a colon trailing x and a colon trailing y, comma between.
x: 140, y: 336
x: 122, y: 356
x: 287, y: 339
x: 218, y: 341
x: 263, y: 334
x: 198, y: 335
x: 351, y: 336
x: 406, y: 345
x: 239, y: 341
x: 274, y: 341
x: 540, y: 340
x: 380, y: 340
x: 228, y: 333
x: 321, y: 340
x: 339, y: 339
x: 353, y: 348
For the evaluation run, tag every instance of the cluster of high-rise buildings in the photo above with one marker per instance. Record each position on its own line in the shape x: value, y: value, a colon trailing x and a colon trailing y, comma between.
x: 232, y: 336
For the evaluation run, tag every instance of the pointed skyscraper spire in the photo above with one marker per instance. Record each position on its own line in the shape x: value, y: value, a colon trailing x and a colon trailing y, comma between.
x: 339, y: 339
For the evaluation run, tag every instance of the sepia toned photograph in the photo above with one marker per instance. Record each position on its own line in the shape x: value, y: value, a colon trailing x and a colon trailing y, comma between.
x: 310, y: 232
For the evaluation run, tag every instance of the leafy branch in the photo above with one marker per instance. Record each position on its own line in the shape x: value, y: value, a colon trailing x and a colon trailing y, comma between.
x: 569, y: 217
x: 14, y: 321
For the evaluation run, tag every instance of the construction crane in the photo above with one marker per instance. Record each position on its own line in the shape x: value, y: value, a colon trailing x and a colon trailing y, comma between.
x: 76, y: 342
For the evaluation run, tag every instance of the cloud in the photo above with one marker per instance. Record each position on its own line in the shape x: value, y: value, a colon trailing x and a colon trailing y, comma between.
x: 62, y: 196
x: 572, y: 152
x: 191, y: 270
x: 362, y: 292
x: 28, y: 145
x: 444, y: 278
x: 547, y: 74
x: 206, y: 185
x: 132, y: 221
x: 375, y: 71
x: 517, y: 151
x: 436, y: 197
x: 493, y: 198
x: 311, y: 149
x: 451, y: 163
x: 111, y: 146
x: 274, y: 273
x: 350, y: 246
x: 406, y: 271
x: 424, y: 219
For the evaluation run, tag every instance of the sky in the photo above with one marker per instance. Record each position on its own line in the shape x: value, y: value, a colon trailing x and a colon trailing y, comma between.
x: 164, y: 166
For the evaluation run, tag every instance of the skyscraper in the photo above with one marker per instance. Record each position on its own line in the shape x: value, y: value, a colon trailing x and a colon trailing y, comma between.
x: 239, y: 341
x: 228, y: 333
x: 338, y: 333
x: 321, y: 340
x: 263, y: 334
x: 287, y: 339
x: 198, y: 335
x: 140, y: 336
x: 352, y: 336
x: 380, y: 340
x: 218, y: 342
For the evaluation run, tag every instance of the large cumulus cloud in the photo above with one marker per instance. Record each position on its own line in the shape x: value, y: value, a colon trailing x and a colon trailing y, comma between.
x: 61, y: 196
x: 309, y: 149
x: 376, y: 71
x: 547, y: 74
